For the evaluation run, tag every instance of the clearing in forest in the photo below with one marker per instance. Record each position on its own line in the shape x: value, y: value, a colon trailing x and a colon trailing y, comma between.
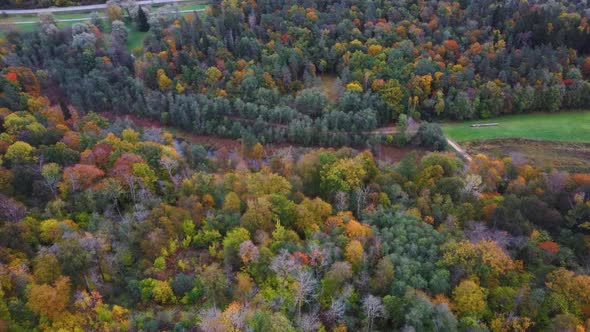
x: 327, y: 86
x: 560, y: 140
x: 564, y: 126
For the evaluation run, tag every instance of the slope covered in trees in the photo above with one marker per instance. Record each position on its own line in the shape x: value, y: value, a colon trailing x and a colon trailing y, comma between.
x: 254, y: 67
x: 108, y: 227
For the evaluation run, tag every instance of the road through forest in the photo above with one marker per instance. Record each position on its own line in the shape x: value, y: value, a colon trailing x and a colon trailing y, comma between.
x: 79, y: 8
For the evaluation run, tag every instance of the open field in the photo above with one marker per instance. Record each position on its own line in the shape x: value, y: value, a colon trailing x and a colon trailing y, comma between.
x: 564, y: 126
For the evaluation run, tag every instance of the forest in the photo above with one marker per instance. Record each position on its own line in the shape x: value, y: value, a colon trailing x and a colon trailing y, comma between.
x: 252, y: 68
x: 106, y: 225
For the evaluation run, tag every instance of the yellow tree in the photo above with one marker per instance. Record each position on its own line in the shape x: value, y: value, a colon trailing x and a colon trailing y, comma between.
x: 258, y: 216
x: 354, y: 86
x: 354, y: 253
x: 571, y: 290
x: 469, y: 299
x: 20, y: 152
x: 213, y: 76
x: 485, y: 257
x: 46, y: 268
x: 164, y: 82
x: 50, y: 301
x: 231, y: 203
x: 311, y: 213
x: 114, y: 13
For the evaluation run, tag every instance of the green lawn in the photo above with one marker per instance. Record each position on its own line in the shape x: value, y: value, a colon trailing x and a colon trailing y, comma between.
x: 135, y: 37
x: 565, y: 126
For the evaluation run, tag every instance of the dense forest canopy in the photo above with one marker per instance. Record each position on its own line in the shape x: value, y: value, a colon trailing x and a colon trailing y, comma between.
x: 254, y: 67
x: 109, y: 226
x: 106, y: 226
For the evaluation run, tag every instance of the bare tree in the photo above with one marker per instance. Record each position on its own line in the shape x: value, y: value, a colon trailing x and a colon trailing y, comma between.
x: 170, y: 165
x: 10, y: 209
x: 338, y: 306
x: 373, y: 308
x: 361, y: 198
x: 556, y: 181
x: 309, y: 322
x: 236, y: 319
x: 341, y: 201
x: 304, y: 287
x: 51, y: 175
x: 473, y: 184
x: 248, y: 252
x: 210, y: 321
x: 285, y: 266
x: 131, y: 180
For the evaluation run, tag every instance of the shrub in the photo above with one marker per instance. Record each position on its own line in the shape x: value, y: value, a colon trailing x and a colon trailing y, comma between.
x: 430, y: 136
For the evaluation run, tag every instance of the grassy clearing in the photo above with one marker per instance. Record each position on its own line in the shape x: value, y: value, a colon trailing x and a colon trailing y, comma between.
x: 135, y: 37
x: 564, y: 126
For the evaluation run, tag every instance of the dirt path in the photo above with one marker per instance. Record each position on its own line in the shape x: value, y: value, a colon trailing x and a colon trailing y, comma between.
x: 460, y: 150
x: 381, y: 152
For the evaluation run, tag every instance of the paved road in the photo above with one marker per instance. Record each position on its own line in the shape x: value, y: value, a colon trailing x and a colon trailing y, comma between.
x: 78, y: 8
x: 85, y: 18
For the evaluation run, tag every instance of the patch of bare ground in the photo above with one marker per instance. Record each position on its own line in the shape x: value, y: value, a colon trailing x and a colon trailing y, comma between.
x: 571, y: 156
x: 327, y: 86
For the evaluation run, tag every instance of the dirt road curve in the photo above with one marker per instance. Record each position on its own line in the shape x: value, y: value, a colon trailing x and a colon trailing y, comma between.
x: 460, y: 150
x: 78, y: 8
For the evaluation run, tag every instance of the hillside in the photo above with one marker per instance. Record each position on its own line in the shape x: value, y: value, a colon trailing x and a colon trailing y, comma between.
x: 278, y: 165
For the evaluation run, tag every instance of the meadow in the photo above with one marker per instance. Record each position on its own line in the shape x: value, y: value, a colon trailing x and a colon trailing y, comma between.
x: 560, y: 140
x: 570, y: 126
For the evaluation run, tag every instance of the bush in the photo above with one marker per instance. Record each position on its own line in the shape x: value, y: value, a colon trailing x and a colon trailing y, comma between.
x: 430, y: 136
x: 182, y: 283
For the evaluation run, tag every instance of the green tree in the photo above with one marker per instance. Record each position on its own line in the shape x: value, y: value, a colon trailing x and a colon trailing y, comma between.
x: 142, y: 20
x: 431, y: 136
x: 231, y: 244
x: 394, y: 96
